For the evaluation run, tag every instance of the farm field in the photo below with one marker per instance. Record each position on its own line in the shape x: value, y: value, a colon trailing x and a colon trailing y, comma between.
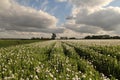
x: 7, y: 43
x: 61, y: 60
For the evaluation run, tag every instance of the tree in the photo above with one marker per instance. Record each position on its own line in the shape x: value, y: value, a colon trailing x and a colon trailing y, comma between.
x: 53, y: 36
x: 88, y: 37
x: 102, y: 37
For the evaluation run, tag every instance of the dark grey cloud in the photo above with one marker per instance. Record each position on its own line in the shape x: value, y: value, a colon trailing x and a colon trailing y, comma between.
x: 83, y: 28
x: 108, y: 18
x: 93, y: 17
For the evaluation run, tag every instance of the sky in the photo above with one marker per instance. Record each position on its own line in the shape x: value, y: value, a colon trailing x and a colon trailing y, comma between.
x: 71, y: 18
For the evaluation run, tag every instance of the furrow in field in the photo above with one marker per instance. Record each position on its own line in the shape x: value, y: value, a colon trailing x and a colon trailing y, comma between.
x: 22, y: 61
x: 113, y: 51
x: 83, y: 66
x: 104, y: 64
x: 60, y: 66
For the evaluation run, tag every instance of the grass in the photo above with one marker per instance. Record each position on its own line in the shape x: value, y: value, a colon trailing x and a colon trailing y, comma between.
x: 7, y: 43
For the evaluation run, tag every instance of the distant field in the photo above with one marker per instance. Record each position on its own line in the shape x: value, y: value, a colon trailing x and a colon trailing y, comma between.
x: 61, y: 60
x: 6, y: 43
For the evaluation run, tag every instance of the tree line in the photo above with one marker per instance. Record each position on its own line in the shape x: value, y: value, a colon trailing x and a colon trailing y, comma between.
x: 53, y: 37
x: 102, y: 37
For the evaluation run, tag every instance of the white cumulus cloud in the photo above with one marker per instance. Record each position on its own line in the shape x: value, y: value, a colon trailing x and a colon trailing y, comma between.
x: 20, y: 18
x: 94, y: 16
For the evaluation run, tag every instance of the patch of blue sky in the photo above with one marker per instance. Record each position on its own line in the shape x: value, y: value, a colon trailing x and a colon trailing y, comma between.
x: 115, y: 3
x: 58, y: 9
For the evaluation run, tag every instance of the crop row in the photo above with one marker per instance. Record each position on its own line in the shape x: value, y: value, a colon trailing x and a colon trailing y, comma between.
x: 105, y: 64
x: 20, y: 62
x: 57, y: 60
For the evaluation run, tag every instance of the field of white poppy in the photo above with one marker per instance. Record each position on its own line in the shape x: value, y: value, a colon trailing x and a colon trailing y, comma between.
x: 61, y: 60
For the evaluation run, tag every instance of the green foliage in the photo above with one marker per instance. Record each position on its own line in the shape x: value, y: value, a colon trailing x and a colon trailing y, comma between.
x: 59, y: 60
x: 6, y: 43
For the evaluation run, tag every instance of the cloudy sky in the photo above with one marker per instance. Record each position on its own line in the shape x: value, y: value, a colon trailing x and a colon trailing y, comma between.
x: 71, y: 18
